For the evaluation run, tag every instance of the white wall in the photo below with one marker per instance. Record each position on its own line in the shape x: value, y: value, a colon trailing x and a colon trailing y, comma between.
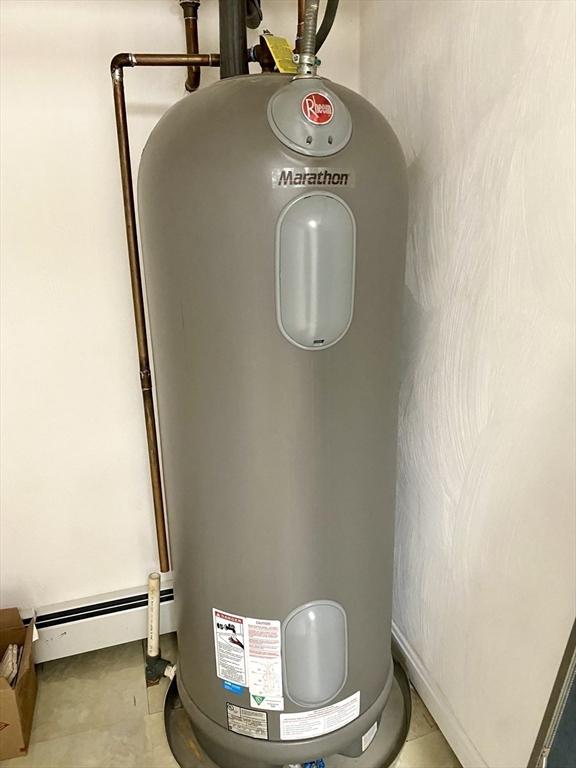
x: 76, y: 506
x: 481, y: 95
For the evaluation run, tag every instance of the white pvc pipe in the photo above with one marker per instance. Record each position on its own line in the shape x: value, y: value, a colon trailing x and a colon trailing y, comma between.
x: 154, y: 614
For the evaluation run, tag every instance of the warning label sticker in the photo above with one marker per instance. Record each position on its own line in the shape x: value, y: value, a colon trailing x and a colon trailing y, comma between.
x: 249, y: 653
x: 264, y: 663
x: 247, y: 722
x: 306, y: 725
x: 229, y: 644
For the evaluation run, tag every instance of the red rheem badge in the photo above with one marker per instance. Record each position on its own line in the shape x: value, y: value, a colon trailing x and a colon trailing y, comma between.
x: 317, y: 108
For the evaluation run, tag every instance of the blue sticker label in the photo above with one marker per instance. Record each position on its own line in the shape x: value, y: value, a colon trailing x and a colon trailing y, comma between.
x: 233, y: 687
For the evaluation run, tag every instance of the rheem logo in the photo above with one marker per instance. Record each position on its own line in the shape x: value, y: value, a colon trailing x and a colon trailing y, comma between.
x: 317, y: 108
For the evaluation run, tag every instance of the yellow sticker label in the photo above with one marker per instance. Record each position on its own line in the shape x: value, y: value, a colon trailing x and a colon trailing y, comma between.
x: 282, y: 53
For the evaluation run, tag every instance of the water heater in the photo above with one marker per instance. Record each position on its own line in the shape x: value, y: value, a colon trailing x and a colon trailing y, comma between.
x: 273, y: 222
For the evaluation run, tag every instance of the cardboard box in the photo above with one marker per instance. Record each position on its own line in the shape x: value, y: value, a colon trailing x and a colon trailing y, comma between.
x: 16, y: 704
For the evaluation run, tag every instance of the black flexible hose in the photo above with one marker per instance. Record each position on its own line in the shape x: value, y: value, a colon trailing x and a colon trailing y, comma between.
x: 253, y: 14
x: 327, y: 22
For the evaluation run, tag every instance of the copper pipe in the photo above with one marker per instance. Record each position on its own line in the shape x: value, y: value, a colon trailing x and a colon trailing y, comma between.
x: 300, y: 27
x: 120, y: 61
x: 190, y: 11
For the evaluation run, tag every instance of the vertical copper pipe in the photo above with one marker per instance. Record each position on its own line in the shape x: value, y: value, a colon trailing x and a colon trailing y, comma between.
x: 190, y: 11
x: 120, y: 61
x: 140, y: 317
x: 300, y: 27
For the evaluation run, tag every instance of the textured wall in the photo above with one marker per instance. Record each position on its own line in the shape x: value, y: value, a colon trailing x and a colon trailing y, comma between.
x: 481, y: 95
x: 76, y: 508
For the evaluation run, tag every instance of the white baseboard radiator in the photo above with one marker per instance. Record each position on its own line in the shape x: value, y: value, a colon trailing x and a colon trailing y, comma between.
x: 98, y: 622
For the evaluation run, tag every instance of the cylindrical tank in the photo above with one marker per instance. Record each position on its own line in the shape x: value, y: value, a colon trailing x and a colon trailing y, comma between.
x: 273, y: 218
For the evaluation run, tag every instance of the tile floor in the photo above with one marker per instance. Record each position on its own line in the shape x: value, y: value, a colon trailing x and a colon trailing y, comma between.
x: 94, y: 711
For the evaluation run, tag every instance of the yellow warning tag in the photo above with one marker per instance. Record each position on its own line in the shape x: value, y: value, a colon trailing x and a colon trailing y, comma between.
x: 282, y: 53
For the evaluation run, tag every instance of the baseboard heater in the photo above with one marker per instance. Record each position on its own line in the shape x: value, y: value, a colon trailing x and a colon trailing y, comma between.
x: 99, y: 622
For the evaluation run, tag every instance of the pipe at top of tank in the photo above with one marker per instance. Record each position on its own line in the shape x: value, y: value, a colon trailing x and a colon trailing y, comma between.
x: 233, y: 43
x: 300, y: 27
x: 325, y: 27
x: 307, y: 53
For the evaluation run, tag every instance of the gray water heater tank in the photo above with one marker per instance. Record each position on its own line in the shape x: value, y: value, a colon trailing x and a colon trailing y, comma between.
x: 273, y: 221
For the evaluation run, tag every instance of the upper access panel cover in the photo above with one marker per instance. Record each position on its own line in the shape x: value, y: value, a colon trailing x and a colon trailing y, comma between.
x: 310, y: 119
x: 315, y: 270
